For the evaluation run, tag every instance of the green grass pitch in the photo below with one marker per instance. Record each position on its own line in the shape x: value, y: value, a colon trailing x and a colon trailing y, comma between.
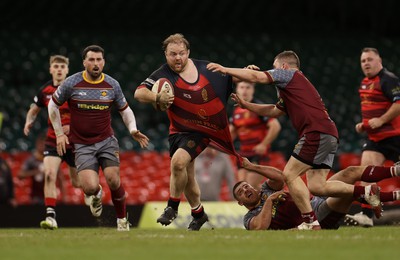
x: 381, y: 242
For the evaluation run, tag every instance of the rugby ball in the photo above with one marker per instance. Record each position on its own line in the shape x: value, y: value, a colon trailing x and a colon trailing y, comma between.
x: 159, y: 86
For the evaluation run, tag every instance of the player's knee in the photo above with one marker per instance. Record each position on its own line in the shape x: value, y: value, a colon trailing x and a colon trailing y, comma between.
x: 289, y: 176
x: 113, y: 182
x: 316, y: 189
x: 351, y: 172
x: 90, y: 189
x: 50, y: 175
x: 178, y: 165
x: 75, y: 183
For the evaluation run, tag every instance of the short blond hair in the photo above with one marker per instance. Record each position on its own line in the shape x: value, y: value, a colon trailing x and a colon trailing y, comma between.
x: 175, y: 38
x: 59, y: 59
x: 289, y: 57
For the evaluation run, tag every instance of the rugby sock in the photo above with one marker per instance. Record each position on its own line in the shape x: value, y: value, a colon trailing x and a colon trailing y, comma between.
x: 332, y: 220
x: 118, y: 199
x: 198, y: 212
x: 396, y: 195
x: 174, y: 203
x: 366, y: 209
x: 390, y: 196
x: 377, y: 173
x: 308, y: 217
x: 50, y: 204
x: 359, y: 192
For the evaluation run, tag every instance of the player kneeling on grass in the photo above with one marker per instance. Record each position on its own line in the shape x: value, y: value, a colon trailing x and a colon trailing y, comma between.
x: 273, y: 208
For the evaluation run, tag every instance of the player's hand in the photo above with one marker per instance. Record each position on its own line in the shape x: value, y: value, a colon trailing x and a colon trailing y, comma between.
x: 375, y: 122
x: 260, y: 149
x: 65, y: 129
x: 27, y: 128
x: 246, y: 163
x: 277, y: 196
x: 142, y: 139
x: 62, y: 141
x: 215, y: 67
x: 359, y: 128
x: 252, y: 67
x: 165, y: 99
x: 238, y: 100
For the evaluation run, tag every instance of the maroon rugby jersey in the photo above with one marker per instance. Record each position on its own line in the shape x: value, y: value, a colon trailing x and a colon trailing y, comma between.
x: 284, y: 215
x: 377, y: 94
x: 200, y: 106
x: 301, y: 102
x: 42, y: 100
x: 90, y: 103
x: 251, y: 129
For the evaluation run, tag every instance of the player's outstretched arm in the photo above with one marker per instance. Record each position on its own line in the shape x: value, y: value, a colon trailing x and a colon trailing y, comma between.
x: 274, y: 175
x: 130, y: 122
x: 260, y: 109
x: 245, y: 74
x: 142, y: 139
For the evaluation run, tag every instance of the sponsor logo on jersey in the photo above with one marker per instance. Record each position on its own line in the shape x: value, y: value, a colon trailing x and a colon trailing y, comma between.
x: 93, y: 106
x: 187, y: 95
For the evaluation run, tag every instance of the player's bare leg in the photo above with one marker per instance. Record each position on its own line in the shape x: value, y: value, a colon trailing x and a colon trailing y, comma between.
x: 76, y: 184
x: 51, y: 166
x: 118, y: 196
x: 178, y: 180
x: 299, y: 191
x: 192, y: 193
x: 89, y: 181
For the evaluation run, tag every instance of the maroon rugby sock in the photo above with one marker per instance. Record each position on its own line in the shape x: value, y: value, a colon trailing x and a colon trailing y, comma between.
x: 308, y: 217
x: 377, y: 173
x: 118, y: 199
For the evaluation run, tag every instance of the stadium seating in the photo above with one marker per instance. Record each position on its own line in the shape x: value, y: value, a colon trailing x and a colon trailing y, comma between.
x: 334, y: 70
x: 331, y: 65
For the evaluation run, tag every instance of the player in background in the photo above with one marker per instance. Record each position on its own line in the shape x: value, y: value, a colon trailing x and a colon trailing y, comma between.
x: 91, y: 95
x: 380, y: 109
x: 52, y: 161
x: 255, y: 134
x: 318, y: 137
